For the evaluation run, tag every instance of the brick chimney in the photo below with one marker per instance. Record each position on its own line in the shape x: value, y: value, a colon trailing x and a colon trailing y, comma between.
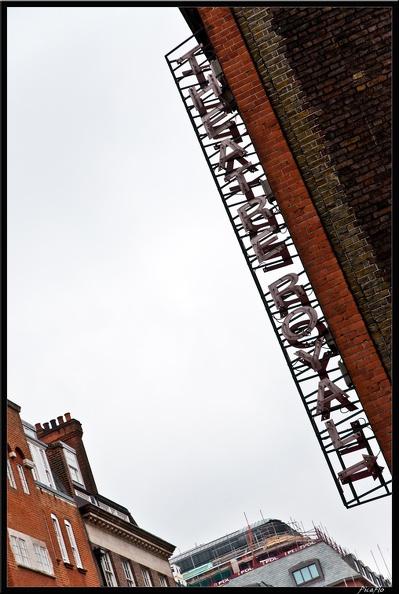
x: 70, y: 432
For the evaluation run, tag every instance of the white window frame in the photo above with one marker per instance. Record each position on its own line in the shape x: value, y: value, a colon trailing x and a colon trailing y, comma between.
x: 23, y: 479
x: 20, y: 550
x: 41, y: 471
x: 60, y: 538
x: 29, y: 430
x: 146, y: 577
x: 10, y: 475
x: 163, y: 581
x: 30, y: 552
x: 74, y: 546
x: 108, y: 571
x: 128, y: 573
x: 42, y: 559
x: 73, y: 465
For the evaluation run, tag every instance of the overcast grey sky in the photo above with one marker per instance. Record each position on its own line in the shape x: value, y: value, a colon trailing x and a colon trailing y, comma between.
x: 130, y: 304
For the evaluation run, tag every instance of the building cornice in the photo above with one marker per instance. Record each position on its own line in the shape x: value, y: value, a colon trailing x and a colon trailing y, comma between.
x: 131, y: 533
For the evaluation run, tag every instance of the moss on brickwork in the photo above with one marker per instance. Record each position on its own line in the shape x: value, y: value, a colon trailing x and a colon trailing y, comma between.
x: 326, y: 71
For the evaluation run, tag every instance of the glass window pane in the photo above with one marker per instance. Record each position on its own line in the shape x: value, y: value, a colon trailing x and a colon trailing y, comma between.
x: 306, y: 574
x: 10, y: 475
x: 42, y: 474
x: 23, y: 479
x: 108, y: 571
x: 73, y: 466
x: 163, y: 581
x: 57, y: 530
x: 128, y: 573
x: 146, y: 577
x: 24, y: 552
x: 313, y: 570
x: 15, y: 548
x: 73, y: 544
x: 298, y: 577
x: 42, y: 558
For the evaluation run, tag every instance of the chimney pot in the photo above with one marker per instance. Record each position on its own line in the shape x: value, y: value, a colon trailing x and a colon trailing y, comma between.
x: 60, y: 420
x: 46, y: 426
x: 38, y: 427
x: 67, y: 416
x: 53, y: 423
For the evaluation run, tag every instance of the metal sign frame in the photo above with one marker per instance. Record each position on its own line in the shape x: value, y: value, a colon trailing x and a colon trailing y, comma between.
x: 332, y: 405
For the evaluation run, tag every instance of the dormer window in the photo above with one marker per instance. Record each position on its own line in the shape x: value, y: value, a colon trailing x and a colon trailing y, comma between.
x: 308, y: 571
x: 73, y: 465
x: 40, y: 468
x: 41, y: 471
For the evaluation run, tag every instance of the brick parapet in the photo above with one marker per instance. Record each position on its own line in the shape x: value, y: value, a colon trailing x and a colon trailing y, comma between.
x: 303, y: 220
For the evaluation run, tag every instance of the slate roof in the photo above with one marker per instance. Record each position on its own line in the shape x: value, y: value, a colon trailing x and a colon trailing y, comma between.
x: 277, y: 573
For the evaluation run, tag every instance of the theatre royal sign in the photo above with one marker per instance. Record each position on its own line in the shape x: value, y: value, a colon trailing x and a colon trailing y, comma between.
x: 333, y: 407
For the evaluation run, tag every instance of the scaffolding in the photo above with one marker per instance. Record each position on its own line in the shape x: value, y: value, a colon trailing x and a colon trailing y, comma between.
x: 269, y: 537
x: 248, y: 548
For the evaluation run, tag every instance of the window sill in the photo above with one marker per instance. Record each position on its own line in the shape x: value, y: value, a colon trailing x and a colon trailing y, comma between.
x: 36, y: 570
x: 72, y: 566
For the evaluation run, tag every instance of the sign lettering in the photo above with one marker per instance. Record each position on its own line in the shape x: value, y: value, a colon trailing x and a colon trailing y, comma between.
x: 291, y: 305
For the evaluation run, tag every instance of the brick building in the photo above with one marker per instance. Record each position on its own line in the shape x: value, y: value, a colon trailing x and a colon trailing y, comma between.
x: 292, y: 108
x: 126, y: 554
x: 47, y: 543
x: 61, y: 531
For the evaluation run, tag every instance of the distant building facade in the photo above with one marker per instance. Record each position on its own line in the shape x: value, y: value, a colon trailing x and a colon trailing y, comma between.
x: 270, y: 553
x: 318, y: 565
x: 106, y: 546
x: 177, y: 574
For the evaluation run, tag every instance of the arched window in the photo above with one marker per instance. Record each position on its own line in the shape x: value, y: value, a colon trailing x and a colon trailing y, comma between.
x: 10, y: 475
x: 23, y: 479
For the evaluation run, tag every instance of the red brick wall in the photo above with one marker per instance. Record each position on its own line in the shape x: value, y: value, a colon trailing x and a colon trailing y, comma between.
x: 327, y: 73
x: 31, y: 515
x: 344, y: 319
x: 56, y: 458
